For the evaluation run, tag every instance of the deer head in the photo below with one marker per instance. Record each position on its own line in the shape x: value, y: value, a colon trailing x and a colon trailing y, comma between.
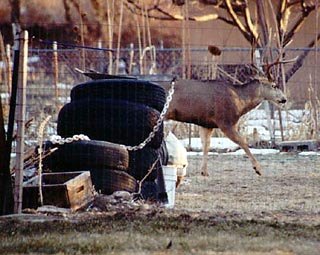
x: 270, y: 91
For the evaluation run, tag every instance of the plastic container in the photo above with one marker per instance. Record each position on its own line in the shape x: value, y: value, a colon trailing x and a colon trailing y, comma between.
x: 170, y: 179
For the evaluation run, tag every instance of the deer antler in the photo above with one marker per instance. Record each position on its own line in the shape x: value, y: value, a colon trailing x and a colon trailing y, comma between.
x: 277, y: 62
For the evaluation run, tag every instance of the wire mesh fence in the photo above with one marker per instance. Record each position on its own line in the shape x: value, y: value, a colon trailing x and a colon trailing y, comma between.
x: 52, y: 72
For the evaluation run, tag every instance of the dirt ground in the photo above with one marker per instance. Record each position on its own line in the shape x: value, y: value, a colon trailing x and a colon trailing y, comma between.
x: 233, y: 211
x: 289, y: 186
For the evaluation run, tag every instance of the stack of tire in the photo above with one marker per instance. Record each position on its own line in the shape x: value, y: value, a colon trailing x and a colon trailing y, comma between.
x: 112, y: 113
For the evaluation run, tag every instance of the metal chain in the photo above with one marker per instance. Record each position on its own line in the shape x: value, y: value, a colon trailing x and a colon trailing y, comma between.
x: 159, y: 121
x: 57, y: 139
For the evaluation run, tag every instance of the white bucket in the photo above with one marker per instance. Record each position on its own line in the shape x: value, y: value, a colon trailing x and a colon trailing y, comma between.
x: 170, y: 179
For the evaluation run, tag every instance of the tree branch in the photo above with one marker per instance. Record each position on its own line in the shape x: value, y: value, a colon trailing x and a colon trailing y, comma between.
x: 281, y: 10
x: 300, y: 60
x: 237, y: 6
x: 136, y: 9
x: 237, y: 22
x: 226, y: 20
x: 251, y: 27
x: 67, y: 12
x: 295, y: 28
x: 263, y: 22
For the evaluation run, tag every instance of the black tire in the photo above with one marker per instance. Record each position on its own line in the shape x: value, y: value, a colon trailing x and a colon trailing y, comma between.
x: 108, y: 181
x: 140, y: 161
x: 136, y: 91
x: 84, y: 155
x: 149, y: 190
x: 110, y: 120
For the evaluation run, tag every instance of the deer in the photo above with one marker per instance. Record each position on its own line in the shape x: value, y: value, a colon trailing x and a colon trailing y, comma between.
x: 220, y: 104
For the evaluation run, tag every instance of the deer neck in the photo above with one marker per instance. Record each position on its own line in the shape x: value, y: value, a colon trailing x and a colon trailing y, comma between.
x: 249, y: 96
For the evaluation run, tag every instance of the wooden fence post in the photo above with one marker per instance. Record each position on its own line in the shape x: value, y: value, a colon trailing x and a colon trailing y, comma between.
x: 55, y: 71
x: 21, y: 110
x: 119, y: 38
x: 131, y: 58
x: 101, y: 66
x: 9, y: 69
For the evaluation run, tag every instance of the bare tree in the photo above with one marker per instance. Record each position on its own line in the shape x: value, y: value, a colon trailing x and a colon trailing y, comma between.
x: 6, y: 194
x: 285, y: 17
x: 266, y: 25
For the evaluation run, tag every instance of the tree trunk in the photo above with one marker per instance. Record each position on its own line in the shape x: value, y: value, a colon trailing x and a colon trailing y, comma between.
x: 15, y: 11
x: 6, y: 195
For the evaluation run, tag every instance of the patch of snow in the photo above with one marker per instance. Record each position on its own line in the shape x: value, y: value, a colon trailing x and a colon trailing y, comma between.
x: 64, y: 86
x: 199, y: 153
x: 4, y: 95
x: 292, y: 121
x: 255, y: 151
x: 309, y: 153
x: 217, y: 143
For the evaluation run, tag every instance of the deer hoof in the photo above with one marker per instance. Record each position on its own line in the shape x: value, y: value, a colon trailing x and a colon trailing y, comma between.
x: 204, y: 173
x: 257, y: 170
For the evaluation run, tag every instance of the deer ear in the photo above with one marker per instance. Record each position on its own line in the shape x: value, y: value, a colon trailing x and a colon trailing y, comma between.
x: 255, y: 77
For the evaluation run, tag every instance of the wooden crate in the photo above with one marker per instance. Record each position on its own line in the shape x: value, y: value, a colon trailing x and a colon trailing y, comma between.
x: 64, y: 189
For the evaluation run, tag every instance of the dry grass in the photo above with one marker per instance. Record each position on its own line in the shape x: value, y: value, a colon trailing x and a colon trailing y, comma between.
x: 231, y: 212
x: 289, y: 185
x: 137, y: 233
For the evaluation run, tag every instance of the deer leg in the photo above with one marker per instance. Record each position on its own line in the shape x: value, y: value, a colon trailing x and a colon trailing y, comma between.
x: 233, y: 134
x: 205, y: 135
